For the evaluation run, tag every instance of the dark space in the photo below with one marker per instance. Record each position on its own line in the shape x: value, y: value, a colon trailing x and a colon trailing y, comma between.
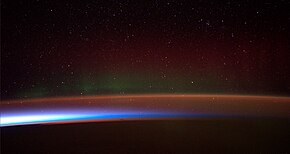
x: 69, y: 48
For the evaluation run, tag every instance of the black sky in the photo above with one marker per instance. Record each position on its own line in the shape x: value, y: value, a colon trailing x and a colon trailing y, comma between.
x: 56, y: 48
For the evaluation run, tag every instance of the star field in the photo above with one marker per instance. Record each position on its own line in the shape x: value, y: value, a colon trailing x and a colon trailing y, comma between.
x: 132, y: 47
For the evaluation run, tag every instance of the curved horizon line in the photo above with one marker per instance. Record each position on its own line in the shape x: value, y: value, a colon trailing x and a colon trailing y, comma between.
x: 161, y: 95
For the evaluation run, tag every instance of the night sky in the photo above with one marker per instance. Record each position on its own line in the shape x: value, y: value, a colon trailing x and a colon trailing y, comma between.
x: 68, y: 48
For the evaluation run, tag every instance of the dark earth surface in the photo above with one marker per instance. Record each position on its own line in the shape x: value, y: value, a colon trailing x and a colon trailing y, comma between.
x: 171, y: 136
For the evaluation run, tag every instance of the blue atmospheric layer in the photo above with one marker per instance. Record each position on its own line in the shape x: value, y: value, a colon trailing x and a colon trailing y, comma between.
x: 26, y: 118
